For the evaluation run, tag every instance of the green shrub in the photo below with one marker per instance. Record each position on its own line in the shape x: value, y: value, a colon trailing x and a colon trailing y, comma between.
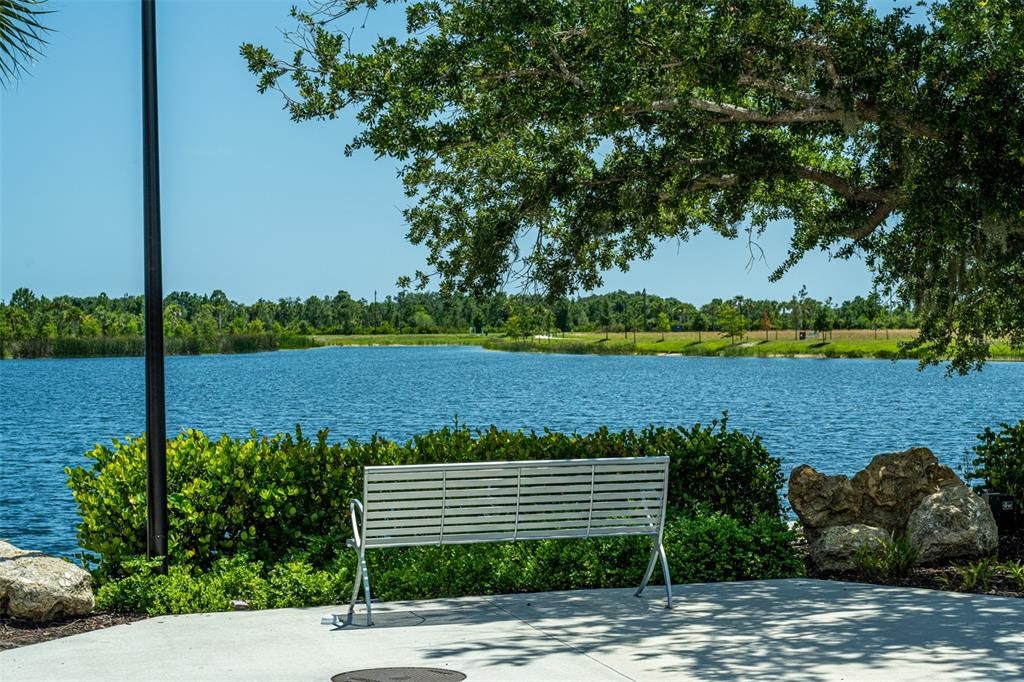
x: 274, y: 498
x: 1000, y: 460
x: 716, y: 548
x: 703, y: 548
x: 890, y: 559
x: 189, y: 590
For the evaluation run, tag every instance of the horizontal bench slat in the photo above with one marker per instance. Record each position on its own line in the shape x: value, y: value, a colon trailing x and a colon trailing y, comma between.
x: 579, y: 478
x: 482, y: 504
x: 654, y: 477
x: 399, y: 473
x: 478, y: 500
x: 432, y: 487
x: 602, y: 500
x: 458, y: 473
x: 600, y: 508
x: 630, y: 487
x: 436, y: 539
x: 459, y: 525
x: 372, y: 515
x: 582, y: 533
x: 653, y: 461
x: 511, y: 481
x: 525, y: 492
x: 598, y: 517
x: 512, y: 490
x: 470, y: 538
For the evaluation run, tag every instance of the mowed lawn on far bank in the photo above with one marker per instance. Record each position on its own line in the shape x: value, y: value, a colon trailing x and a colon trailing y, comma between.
x: 400, y: 339
x: 845, y: 343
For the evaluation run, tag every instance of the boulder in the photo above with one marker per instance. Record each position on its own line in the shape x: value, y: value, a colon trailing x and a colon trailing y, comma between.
x: 893, y: 485
x: 822, y: 501
x: 897, y: 493
x: 882, y: 495
x: 38, y: 587
x: 954, y: 523
x: 836, y: 547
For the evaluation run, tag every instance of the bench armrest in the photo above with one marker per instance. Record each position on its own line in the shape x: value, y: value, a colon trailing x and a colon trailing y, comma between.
x: 353, y: 504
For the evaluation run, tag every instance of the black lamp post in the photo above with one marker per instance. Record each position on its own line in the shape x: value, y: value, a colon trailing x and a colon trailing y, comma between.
x: 156, y: 421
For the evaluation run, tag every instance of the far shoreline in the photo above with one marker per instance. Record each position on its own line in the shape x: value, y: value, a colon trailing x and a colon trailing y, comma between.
x: 850, y: 344
x: 845, y: 344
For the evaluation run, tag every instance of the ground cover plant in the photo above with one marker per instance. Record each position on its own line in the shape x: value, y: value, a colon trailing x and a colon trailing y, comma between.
x: 265, y: 520
x: 891, y: 559
x: 891, y: 564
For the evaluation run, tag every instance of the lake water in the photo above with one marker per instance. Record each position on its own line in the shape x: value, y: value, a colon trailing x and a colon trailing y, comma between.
x: 833, y: 414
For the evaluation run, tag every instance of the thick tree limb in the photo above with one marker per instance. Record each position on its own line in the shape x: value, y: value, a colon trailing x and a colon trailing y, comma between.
x: 820, y: 110
x: 728, y: 180
x: 840, y: 185
x: 737, y: 113
x: 837, y: 183
x: 876, y: 218
x: 564, y: 71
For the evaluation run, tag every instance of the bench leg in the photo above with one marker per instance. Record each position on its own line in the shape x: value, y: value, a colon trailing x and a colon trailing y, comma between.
x: 658, y: 552
x: 355, y: 585
x: 668, y: 578
x: 649, y: 571
x: 362, y: 574
x: 366, y: 587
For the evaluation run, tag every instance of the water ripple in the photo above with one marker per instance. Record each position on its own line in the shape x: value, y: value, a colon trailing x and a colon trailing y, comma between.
x: 833, y: 414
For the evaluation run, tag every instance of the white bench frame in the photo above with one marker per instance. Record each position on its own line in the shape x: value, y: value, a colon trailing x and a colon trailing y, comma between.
x: 409, y: 505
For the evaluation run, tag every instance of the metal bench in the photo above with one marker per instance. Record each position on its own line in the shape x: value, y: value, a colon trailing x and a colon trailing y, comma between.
x: 447, y: 504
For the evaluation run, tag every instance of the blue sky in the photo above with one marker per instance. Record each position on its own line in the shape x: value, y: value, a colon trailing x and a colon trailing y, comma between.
x: 253, y: 203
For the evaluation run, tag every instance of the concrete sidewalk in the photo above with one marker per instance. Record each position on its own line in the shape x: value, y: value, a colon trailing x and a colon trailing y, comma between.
x: 789, y: 630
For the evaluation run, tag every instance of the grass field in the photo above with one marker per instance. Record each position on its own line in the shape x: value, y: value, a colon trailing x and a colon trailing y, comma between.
x: 400, y: 339
x: 847, y: 343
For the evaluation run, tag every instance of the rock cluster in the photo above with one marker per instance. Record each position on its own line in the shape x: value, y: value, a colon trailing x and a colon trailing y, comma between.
x: 898, y: 494
x: 34, y: 586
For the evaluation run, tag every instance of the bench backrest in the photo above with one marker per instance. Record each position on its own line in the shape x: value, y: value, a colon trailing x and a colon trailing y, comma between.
x: 436, y: 504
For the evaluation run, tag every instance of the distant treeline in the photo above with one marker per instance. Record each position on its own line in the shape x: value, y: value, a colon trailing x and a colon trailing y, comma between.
x: 37, y: 326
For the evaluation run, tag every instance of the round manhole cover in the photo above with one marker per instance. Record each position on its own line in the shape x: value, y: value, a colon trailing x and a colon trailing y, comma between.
x: 400, y: 675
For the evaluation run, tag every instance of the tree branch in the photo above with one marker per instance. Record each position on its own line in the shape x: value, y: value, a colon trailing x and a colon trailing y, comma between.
x: 564, y: 71
x: 840, y: 185
x: 876, y: 218
x: 737, y: 113
x: 728, y: 180
x: 820, y: 110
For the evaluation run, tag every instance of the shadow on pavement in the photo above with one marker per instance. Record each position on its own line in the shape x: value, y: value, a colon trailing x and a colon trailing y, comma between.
x: 802, y: 630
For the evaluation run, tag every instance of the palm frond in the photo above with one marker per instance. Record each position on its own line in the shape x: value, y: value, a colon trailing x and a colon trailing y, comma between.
x: 21, y: 36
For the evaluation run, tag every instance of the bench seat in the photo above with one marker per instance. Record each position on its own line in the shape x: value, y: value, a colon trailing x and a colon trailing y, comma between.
x: 462, y: 503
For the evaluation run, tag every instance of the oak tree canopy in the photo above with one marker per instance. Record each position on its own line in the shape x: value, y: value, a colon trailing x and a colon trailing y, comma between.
x: 555, y: 140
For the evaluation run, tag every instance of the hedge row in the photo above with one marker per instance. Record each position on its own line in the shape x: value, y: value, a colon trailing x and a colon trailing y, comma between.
x: 701, y: 548
x: 274, y: 498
